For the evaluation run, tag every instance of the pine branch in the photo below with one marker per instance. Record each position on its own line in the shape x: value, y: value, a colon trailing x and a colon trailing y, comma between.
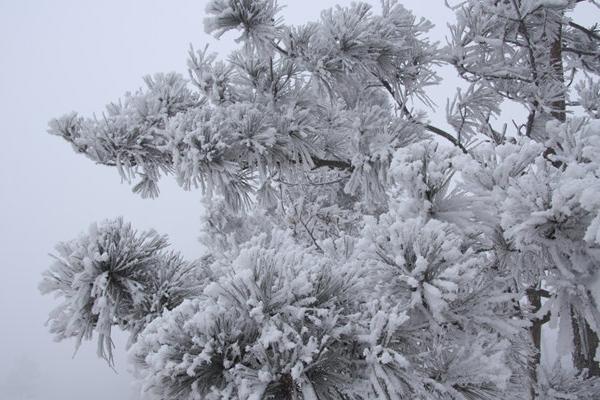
x: 429, y: 127
x: 334, y: 164
x: 581, y: 52
x: 387, y: 86
x: 591, y: 33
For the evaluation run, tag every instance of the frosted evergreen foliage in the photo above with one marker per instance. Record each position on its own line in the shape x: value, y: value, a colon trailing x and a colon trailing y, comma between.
x: 557, y: 384
x: 278, y: 324
x: 354, y: 250
x: 114, y: 276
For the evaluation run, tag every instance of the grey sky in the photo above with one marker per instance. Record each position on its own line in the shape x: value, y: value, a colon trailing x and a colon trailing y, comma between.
x: 63, y: 55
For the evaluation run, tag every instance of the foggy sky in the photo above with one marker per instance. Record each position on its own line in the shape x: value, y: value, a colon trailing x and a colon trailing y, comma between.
x: 57, y: 56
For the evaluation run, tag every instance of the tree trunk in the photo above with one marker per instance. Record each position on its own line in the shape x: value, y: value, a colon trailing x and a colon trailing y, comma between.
x: 558, y: 106
x: 535, y: 302
x: 585, y: 343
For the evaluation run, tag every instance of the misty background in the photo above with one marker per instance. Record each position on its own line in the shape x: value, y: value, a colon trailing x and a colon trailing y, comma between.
x: 58, y: 56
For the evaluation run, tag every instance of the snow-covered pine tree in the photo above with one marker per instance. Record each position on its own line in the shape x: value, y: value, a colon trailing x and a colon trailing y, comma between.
x: 531, y: 52
x: 355, y: 250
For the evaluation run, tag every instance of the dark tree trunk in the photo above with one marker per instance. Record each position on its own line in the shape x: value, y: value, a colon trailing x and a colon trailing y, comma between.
x: 535, y: 302
x: 534, y: 296
x: 585, y: 343
x: 558, y: 106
